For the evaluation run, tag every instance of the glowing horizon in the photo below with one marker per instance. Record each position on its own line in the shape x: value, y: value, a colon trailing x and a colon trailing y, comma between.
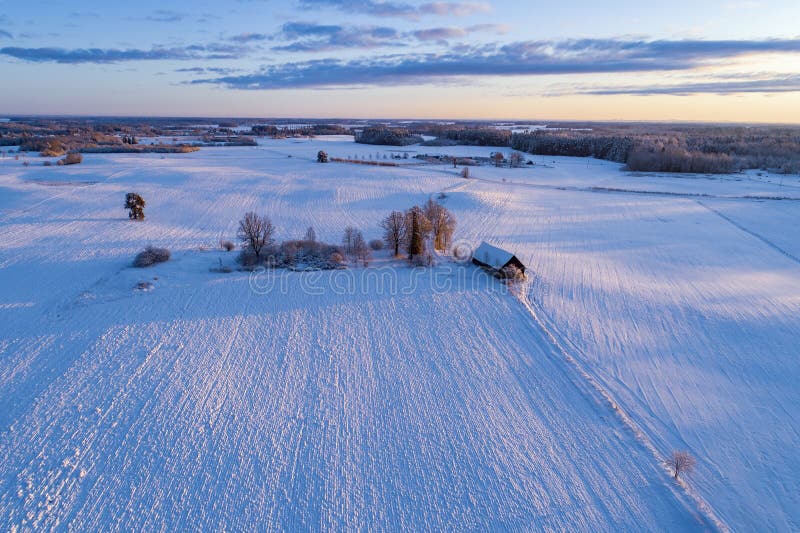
x: 723, y: 61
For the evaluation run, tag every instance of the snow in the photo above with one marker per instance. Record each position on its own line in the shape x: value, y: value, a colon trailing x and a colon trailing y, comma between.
x: 492, y: 256
x: 661, y: 313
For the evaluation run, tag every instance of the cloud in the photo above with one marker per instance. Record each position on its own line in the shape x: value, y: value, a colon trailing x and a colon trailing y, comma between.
x: 310, y: 37
x: 211, y: 70
x: 99, y: 55
x: 307, y: 37
x: 250, y: 37
x: 528, y: 58
x: 443, y: 34
x: 6, y: 34
x: 390, y: 8
x: 454, y: 9
x: 778, y: 84
x: 165, y: 15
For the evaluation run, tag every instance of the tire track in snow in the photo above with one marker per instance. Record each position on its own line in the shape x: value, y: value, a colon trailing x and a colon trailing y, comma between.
x: 593, y: 388
x: 764, y: 240
x: 71, y: 190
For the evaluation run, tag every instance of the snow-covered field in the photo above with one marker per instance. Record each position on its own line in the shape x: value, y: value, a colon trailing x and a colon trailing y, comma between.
x: 383, y: 398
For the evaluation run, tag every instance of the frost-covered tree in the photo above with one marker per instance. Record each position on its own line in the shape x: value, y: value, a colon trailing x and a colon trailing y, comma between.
x: 360, y: 248
x: 322, y: 157
x: 255, y: 232
x: 311, y: 235
x: 515, y: 159
x: 349, y: 239
x: 394, y: 231
x: 442, y: 224
x: 134, y: 203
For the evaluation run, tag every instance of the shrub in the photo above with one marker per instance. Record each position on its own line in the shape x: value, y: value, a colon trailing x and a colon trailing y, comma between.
x: 322, y: 157
x: 228, y: 246
x: 73, y: 158
x: 511, y: 273
x: 376, y: 244
x: 248, y: 258
x: 151, y: 256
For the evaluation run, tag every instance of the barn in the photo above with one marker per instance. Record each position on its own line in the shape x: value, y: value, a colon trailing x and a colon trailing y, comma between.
x: 495, y: 259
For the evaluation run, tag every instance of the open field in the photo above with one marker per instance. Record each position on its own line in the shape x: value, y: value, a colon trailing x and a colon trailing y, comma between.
x: 203, y: 404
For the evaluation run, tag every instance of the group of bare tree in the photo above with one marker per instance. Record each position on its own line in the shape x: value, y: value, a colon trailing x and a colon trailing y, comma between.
x: 259, y: 248
x: 413, y: 229
x: 355, y: 246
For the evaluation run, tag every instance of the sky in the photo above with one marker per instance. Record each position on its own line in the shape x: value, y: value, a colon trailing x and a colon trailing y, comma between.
x: 717, y: 60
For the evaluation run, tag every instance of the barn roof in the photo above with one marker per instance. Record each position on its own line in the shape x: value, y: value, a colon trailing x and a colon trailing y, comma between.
x: 492, y: 256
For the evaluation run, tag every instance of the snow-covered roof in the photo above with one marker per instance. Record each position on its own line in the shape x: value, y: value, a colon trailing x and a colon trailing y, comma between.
x: 492, y: 255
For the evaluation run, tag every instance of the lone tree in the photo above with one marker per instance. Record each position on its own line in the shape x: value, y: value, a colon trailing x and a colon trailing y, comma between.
x: 255, y: 232
x: 322, y: 157
x: 515, y: 159
x: 498, y: 159
x: 135, y: 206
x: 442, y: 223
x: 681, y: 462
x: 394, y: 230
x: 311, y: 235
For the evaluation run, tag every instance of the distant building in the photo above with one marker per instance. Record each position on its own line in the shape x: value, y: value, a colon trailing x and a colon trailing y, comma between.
x: 495, y: 259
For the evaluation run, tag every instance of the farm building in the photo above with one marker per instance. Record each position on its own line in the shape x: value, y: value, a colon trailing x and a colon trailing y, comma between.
x: 495, y: 259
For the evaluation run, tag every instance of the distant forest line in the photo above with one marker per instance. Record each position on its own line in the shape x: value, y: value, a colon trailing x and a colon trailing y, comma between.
x: 647, y: 147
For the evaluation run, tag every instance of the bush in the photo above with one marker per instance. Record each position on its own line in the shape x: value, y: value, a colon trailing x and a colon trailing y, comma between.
x: 73, y: 158
x: 376, y: 244
x: 151, y: 256
x: 228, y: 246
x: 512, y: 274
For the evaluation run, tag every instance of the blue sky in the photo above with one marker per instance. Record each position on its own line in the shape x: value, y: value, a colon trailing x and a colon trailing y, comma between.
x: 630, y: 60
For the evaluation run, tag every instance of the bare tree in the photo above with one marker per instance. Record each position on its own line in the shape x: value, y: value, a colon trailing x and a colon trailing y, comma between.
x: 349, y: 240
x: 394, y: 230
x: 360, y: 248
x: 442, y: 224
x: 681, y: 462
x: 311, y: 235
x: 498, y: 159
x: 255, y: 232
x: 515, y: 159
